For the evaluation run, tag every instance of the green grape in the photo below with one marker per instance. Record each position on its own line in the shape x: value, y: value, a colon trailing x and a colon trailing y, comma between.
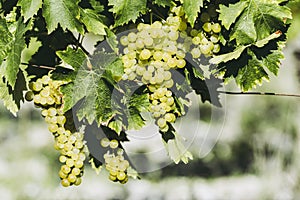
x: 65, y: 182
x: 52, y: 112
x: 52, y: 128
x: 148, y: 41
x: 170, y: 117
x: 139, y: 43
x: 132, y: 37
x: 62, y: 159
x: 158, y: 55
x: 196, y: 53
x: 172, y: 62
x: 196, y: 40
x: 216, y: 48
x: 121, y: 175
x: 78, y: 164
x: 113, y: 144
x: 76, y: 171
x: 216, y: 28
x: 169, y: 83
x: 104, y: 142
x: 29, y: 96
x: 145, y: 54
x: 72, y: 178
x: 205, y: 49
x: 62, y: 175
x: 194, y: 33
x: 124, y: 40
x: 70, y: 162
x: 214, y: 38
x: 181, y: 63
x: 65, y: 169
x: 37, y: 86
x: 78, y: 181
x: 61, y: 120
x: 79, y: 144
x: 207, y: 27
x: 173, y: 35
x: 161, y: 122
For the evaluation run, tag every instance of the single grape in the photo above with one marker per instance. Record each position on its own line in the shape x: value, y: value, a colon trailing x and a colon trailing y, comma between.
x: 29, y: 96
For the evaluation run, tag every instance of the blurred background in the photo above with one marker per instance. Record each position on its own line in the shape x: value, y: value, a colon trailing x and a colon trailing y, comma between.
x: 249, y: 149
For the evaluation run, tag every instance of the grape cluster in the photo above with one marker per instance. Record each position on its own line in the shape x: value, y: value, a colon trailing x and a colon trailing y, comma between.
x: 161, y: 107
x: 154, y: 50
x: 115, y: 163
x: 45, y: 94
x: 71, y: 147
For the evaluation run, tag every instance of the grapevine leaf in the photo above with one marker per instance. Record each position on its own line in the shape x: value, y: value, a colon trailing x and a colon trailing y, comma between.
x: 92, y: 22
x: 228, y: 56
x: 29, y: 7
x: 90, y: 91
x: 244, y: 31
x: 72, y: 57
x: 6, y: 40
x: 114, y: 71
x: 191, y: 9
x: 272, y: 61
x: 64, y: 12
x: 235, y: 10
x: 14, y: 55
x: 32, y: 48
x: 116, y: 125
x: 252, y: 74
x: 112, y: 40
x: 177, y: 151
x: 263, y: 42
x: 127, y: 10
x: 7, y: 98
x: 257, y: 20
x: 163, y: 3
x: 96, y: 105
x: 97, y: 6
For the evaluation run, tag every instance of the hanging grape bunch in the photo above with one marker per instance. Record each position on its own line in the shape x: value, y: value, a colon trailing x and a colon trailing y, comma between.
x: 154, y: 50
x: 46, y: 95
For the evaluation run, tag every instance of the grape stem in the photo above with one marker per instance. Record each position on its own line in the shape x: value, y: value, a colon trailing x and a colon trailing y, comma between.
x: 260, y: 93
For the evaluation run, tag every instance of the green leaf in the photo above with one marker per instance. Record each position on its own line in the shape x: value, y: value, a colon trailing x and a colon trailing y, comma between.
x: 252, y: 74
x: 127, y: 10
x: 13, y: 59
x: 72, y: 57
x: 91, y: 91
x: 29, y: 7
x: 6, y: 40
x: 228, y: 56
x: 263, y: 42
x: 92, y: 22
x: 63, y: 12
x: 114, y: 71
x: 96, y: 105
x: 163, y: 3
x: 244, y: 31
x: 235, y: 10
x: 272, y: 61
x: 7, y: 98
x: 191, y: 9
x: 256, y: 19
x: 112, y: 40
x: 32, y: 48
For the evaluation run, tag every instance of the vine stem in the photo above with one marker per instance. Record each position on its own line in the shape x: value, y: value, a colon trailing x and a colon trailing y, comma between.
x: 260, y: 93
